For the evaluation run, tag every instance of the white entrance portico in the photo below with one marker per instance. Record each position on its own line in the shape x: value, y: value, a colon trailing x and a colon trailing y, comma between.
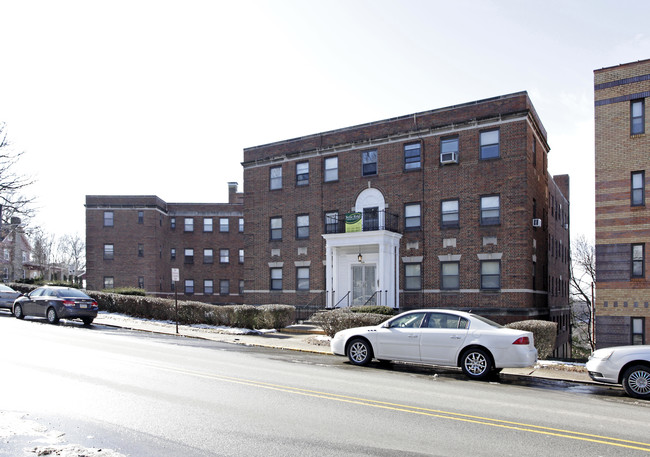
x: 362, y: 267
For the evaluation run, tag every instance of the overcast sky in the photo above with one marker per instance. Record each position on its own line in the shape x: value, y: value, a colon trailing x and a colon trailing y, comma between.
x: 161, y: 97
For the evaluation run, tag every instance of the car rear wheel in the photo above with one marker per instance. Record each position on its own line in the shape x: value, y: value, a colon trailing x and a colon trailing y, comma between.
x: 476, y: 363
x: 636, y: 382
x: 52, y: 317
x: 18, y: 312
x: 359, y: 352
x: 87, y: 320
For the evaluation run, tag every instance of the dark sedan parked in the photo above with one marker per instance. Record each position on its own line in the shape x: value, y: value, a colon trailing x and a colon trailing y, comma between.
x: 7, y: 296
x: 56, y: 303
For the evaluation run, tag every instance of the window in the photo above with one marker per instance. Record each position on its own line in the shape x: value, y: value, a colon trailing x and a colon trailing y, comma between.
x: 189, y: 286
x: 208, y: 286
x: 534, y: 153
x: 172, y: 254
x: 140, y: 250
x: 302, y: 226
x: 449, y: 212
x: 109, y: 251
x: 331, y: 222
x: 490, y: 144
x: 241, y: 225
x: 140, y: 217
x: 302, y: 278
x: 208, y: 255
x: 490, y: 274
x: 275, y: 178
x: 224, y: 225
x: 207, y: 224
x: 638, y: 263
x: 276, y: 278
x: 7, y: 254
x: 412, y: 216
x: 638, y: 188
x: 370, y: 219
x: 172, y: 223
x: 276, y: 228
x: 412, y: 156
x: 637, y: 117
x: 140, y: 282
x: 331, y: 169
x: 6, y: 273
x: 189, y: 255
x: 189, y: 224
x: 224, y: 287
x: 108, y: 218
x: 302, y: 173
x: 369, y: 162
x: 109, y: 282
x: 490, y: 210
x: 413, y: 276
x: 224, y: 255
x: 638, y: 330
x: 450, y: 274
x: 241, y: 287
x: 449, y: 149
x: 241, y: 256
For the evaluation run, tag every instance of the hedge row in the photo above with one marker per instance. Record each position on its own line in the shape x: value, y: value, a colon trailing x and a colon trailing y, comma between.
x: 544, y: 334
x: 341, y: 319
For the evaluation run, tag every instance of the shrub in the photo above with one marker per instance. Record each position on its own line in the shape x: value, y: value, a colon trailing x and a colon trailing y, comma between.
x: 126, y: 291
x: 544, y: 333
x: 276, y: 316
x: 374, y: 309
x: 341, y: 319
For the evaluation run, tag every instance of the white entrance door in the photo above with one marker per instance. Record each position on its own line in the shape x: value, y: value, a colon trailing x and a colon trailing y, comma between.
x: 364, y: 279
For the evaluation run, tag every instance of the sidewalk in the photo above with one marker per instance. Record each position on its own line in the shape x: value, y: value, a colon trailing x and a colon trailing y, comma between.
x: 307, y: 338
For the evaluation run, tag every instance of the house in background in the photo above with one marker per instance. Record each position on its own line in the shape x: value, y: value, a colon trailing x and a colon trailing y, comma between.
x: 622, y: 301
x: 16, y: 253
x: 452, y: 208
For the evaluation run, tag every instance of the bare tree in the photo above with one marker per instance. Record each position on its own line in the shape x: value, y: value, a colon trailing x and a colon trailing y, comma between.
x: 583, y: 278
x: 72, y: 252
x: 42, y: 243
x: 12, y: 184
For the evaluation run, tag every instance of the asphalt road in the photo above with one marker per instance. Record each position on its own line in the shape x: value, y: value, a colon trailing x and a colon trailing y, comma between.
x: 140, y: 394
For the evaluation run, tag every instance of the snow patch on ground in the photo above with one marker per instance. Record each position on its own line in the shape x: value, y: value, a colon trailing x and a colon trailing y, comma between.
x: 40, y: 441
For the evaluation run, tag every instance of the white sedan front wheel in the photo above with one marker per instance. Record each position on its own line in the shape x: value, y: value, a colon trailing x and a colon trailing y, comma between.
x: 359, y: 352
x: 636, y: 382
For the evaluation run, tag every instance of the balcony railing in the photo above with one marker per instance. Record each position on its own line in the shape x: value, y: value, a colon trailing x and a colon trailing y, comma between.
x: 367, y: 221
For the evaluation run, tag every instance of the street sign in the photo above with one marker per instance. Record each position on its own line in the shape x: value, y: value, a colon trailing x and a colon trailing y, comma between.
x: 176, y: 274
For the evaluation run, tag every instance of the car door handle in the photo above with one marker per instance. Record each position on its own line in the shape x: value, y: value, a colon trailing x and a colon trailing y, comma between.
x: 455, y: 337
x: 413, y: 336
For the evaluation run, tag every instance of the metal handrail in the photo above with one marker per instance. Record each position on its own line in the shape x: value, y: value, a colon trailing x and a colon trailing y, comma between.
x: 371, y: 297
x: 344, y: 297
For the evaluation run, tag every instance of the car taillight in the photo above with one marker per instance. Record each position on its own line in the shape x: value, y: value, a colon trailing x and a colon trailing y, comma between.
x: 522, y: 340
x: 93, y: 304
x: 68, y: 303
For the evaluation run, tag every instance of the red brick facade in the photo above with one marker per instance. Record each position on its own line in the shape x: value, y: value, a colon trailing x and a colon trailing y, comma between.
x: 622, y: 215
x: 135, y: 241
x: 513, y: 175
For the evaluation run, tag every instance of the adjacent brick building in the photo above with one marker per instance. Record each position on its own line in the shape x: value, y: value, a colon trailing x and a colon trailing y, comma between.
x: 622, y: 216
x: 135, y: 241
x: 452, y: 208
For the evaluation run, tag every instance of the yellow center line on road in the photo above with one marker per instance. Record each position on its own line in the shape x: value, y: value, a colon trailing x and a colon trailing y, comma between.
x: 561, y: 433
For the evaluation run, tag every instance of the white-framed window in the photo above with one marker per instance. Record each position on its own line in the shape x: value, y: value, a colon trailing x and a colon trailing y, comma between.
x: 331, y: 165
x: 412, y: 156
x: 412, y: 216
x: 109, y: 218
x: 276, y: 278
x: 189, y: 286
x: 302, y: 226
x: 302, y: 278
x: 490, y: 210
x: 638, y: 260
x: 638, y: 188
x: 241, y: 287
x: 109, y: 251
x: 224, y: 255
x: 490, y: 274
x: 109, y: 282
x: 638, y: 330
x: 450, y: 213
x: 189, y: 224
x: 412, y: 276
x: 208, y: 286
x: 276, y: 228
x: 241, y: 225
x: 224, y: 225
x: 449, y: 147
x: 490, y: 144
x: 172, y: 254
x: 450, y: 275
x: 208, y: 255
x: 224, y: 287
x: 241, y: 256
x: 207, y: 224
x: 189, y: 255
x: 275, y: 178
x: 331, y: 222
x: 637, y: 117
x: 369, y: 162
x: 302, y: 173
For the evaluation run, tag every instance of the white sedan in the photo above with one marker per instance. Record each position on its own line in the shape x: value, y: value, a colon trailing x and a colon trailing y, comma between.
x: 627, y: 365
x: 439, y: 337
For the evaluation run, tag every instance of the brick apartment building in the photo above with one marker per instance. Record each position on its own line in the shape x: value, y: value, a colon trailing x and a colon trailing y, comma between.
x: 622, y: 216
x: 452, y: 207
x: 135, y: 241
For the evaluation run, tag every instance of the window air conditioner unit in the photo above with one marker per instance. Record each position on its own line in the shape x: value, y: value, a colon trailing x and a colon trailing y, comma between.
x: 448, y: 157
x: 537, y: 222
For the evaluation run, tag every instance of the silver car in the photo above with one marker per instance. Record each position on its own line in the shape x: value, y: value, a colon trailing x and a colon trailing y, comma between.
x: 626, y: 365
x: 7, y: 296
